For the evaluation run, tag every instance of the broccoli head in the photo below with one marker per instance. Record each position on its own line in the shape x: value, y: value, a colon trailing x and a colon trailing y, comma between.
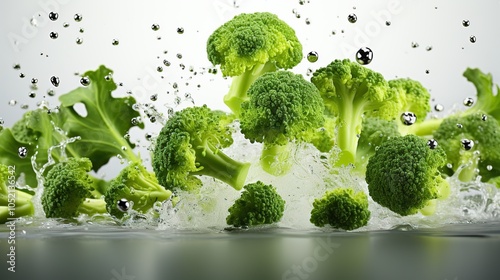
x: 14, y: 203
x: 341, y: 208
x: 282, y: 107
x: 483, y: 132
x: 248, y: 46
x: 259, y: 204
x: 137, y: 185
x: 403, y: 175
x: 190, y: 144
x: 68, y: 190
x: 349, y: 91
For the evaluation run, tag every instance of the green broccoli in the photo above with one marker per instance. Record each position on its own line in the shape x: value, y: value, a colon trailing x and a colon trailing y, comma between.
x: 483, y: 132
x: 248, y: 46
x: 341, y: 208
x: 189, y: 144
x: 282, y: 107
x: 374, y: 132
x: 349, y: 91
x: 403, y: 175
x: 137, y: 185
x: 68, y: 190
x: 259, y: 204
x: 14, y: 203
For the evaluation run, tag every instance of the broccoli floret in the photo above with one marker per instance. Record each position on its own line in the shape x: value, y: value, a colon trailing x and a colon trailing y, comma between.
x: 341, y: 208
x: 259, y: 204
x: 248, y: 46
x: 137, y: 185
x: 68, y: 190
x: 374, y: 132
x: 14, y: 203
x: 403, y: 175
x: 282, y: 107
x: 483, y: 132
x: 349, y: 91
x: 189, y: 144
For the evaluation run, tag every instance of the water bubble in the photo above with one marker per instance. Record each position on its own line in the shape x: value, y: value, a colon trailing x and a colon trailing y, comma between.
x: 364, y: 56
x: 469, y: 101
x: 166, y: 62
x: 24, y: 106
x: 432, y: 144
x: 2, y: 122
x: 78, y: 17
x: 301, y: 2
x: 154, y: 97
x: 33, y: 22
x: 34, y: 81
x: 152, y: 119
x: 182, y: 66
x: 55, y: 81
x: 466, y: 23
x: 108, y: 77
x: 53, y: 16
x: 414, y: 44
x: 79, y: 40
x: 82, y: 30
x: 438, y: 107
x: 467, y: 144
x: 51, y: 92
x: 408, y: 118
x: 148, y: 136
x: 21, y: 75
x: 126, y: 136
x: 180, y: 30
x: 427, y: 71
x: 66, y: 24
x: 32, y: 94
x: 449, y: 165
x: 135, y: 121
x: 312, y: 56
x: 307, y: 20
x: 352, y: 18
x: 155, y: 27
x: 115, y: 42
x: 428, y: 48
x: 484, y: 117
x: 388, y: 23
x: 309, y: 72
x: 472, y: 39
x: 22, y: 152
x: 489, y: 167
x: 174, y: 85
x: 179, y: 55
x: 459, y: 125
x: 12, y: 102
x: 124, y: 148
x: 159, y: 69
x: 85, y: 81
x: 16, y: 66
x: 123, y: 205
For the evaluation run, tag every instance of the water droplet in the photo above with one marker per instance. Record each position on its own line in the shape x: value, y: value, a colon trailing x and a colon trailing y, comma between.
x: 155, y: 27
x: 428, y: 48
x: 414, y: 44
x: 34, y: 81
x: 484, y: 117
x: 469, y: 101
x: 115, y: 42
x: 427, y: 71
x: 154, y: 97
x: 2, y: 122
x: 21, y: 75
x: 32, y: 94
x: 33, y: 22
x: 51, y: 92
x: 174, y: 85
x: 388, y: 23
x: 465, y: 23
x: 108, y: 77
x: 124, y: 148
x: 12, y: 102
x: 16, y: 66
x: 180, y: 30
x: 307, y: 20
x: 53, y: 16
x: 467, y: 144
x: 460, y: 126
x: 301, y: 2
x: 408, y: 118
x: 66, y: 24
x: 432, y: 144
x: 123, y: 205
x: 55, y: 81
x: 166, y: 62
x: 312, y: 56
x: 182, y: 66
x: 148, y: 136
x: 135, y: 121
x: 159, y: 69
x: 79, y: 40
x: 22, y: 152
x: 78, y: 17
x: 438, y: 107
x: 472, y: 39
x: 309, y: 72
x: 352, y: 18
x: 85, y: 81
x: 364, y: 56
x: 179, y: 55
x: 126, y: 136
x: 449, y: 165
x: 152, y: 119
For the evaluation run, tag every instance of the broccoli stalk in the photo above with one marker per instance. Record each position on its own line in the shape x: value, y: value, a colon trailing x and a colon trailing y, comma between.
x: 248, y: 46
x: 137, y: 185
x: 190, y: 144
x: 349, y: 91
x: 68, y: 190
x: 14, y: 203
x: 282, y: 108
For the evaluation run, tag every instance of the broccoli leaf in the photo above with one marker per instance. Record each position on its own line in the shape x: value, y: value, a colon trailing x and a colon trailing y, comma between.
x: 9, y: 156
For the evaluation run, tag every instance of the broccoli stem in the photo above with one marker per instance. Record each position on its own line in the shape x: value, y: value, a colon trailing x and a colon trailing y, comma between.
x: 216, y: 164
x: 240, y: 84
x: 92, y: 206
x: 425, y: 128
x: 275, y: 159
x: 22, y: 208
